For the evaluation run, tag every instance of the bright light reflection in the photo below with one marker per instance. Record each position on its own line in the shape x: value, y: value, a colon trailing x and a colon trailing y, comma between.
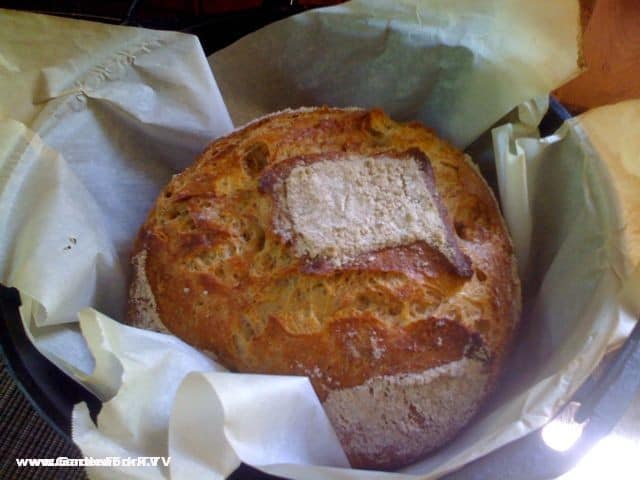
x: 613, y: 457
x: 563, y: 432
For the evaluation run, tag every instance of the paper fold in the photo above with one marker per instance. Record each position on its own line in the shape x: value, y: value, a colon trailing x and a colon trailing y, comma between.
x: 288, y: 424
x: 60, y: 259
x: 145, y: 370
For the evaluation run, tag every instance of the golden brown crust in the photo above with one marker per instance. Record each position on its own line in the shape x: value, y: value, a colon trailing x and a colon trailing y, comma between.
x: 224, y: 280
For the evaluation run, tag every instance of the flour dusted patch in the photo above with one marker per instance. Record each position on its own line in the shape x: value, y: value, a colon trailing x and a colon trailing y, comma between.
x: 142, y: 299
x: 396, y: 417
x: 341, y: 208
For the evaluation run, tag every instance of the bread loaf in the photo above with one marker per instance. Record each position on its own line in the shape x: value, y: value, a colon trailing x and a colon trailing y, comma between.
x: 366, y: 254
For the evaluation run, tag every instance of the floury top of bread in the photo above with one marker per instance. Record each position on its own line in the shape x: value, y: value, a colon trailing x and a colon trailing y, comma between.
x: 366, y: 254
x: 343, y: 207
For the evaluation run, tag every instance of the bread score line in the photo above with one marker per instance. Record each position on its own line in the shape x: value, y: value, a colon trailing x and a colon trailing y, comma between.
x: 366, y: 254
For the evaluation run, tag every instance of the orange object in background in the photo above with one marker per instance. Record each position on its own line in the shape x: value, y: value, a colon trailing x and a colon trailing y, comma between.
x: 611, y: 47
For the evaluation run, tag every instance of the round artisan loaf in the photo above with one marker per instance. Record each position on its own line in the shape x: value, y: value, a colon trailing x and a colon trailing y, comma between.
x: 366, y: 254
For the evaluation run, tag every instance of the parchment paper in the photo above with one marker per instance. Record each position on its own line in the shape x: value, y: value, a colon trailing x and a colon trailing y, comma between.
x: 458, y: 65
x: 102, y: 116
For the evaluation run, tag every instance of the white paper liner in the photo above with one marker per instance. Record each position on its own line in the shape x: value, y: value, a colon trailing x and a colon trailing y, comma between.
x: 456, y: 66
x: 98, y: 131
